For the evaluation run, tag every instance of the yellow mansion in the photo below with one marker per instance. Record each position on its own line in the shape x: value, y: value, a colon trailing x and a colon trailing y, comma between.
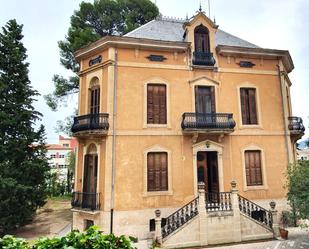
x: 169, y: 115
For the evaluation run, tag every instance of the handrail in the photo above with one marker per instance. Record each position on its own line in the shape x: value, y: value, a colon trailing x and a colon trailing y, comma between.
x: 255, y: 211
x: 180, y: 217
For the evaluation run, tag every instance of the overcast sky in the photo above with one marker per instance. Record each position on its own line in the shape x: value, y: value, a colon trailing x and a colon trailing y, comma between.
x: 267, y: 23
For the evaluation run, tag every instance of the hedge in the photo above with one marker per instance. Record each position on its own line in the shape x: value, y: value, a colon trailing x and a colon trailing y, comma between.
x: 90, y: 239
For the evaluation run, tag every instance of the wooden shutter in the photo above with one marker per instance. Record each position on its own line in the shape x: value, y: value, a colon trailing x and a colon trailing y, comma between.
x: 95, y: 100
x: 248, y: 106
x: 213, y: 100
x: 244, y: 106
x: 86, y: 174
x: 157, y: 173
x: 253, y: 168
x: 150, y: 172
x: 156, y: 104
x: 252, y: 105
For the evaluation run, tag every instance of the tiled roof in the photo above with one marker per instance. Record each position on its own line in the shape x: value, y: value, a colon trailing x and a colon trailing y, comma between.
x: 172, y: 30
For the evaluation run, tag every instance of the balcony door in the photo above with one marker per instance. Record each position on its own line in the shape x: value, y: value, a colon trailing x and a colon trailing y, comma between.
x: 205, y: 99
x: 207, y: 170
x: 90, y: 177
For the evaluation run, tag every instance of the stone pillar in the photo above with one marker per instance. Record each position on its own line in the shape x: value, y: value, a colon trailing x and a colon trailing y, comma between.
x: 202, y: 214
x: 236, y: 212
x: 158, y: 231
x: 274, y: 213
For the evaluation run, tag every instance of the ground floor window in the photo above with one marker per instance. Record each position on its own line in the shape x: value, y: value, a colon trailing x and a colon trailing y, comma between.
x: 157, y: 175
x: 88, y: 223
x: 253, y: 167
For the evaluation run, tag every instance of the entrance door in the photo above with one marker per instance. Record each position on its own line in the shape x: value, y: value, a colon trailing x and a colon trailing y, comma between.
x: 90, y: 180
x: 207, y: 170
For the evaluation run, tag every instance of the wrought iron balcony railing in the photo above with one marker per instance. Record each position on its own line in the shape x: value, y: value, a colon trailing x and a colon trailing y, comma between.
x: 203, y: 59
x: 90, y: 122
x: 296, y: 125
x: 208, y: 121
x: 84, y: 200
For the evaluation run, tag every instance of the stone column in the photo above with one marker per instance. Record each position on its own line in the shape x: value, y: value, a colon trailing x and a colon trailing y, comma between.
x: 274, y: 213
x: 158, y: 231
x: 236, y: 212
x: 202, y: 214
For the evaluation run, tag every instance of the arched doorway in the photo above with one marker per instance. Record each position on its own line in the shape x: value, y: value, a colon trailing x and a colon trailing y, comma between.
x: 90, y: 177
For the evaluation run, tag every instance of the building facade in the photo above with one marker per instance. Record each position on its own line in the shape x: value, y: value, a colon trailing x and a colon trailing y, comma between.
x: 57, y: 155
x: 172, y: 104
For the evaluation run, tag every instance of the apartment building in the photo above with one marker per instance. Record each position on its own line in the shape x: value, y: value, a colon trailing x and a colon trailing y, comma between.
x: 177, y: 104
x: 57, y: 155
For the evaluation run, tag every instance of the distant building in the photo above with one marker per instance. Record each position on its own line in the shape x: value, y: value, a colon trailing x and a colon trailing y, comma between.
x: 58, y: 154
x: 303, y: 154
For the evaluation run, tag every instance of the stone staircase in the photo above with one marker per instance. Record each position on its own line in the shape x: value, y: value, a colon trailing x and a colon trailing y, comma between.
x: 216, y: 218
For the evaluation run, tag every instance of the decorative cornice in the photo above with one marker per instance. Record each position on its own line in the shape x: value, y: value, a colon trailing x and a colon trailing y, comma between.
x: 130, y: 42
x: 258, y: 53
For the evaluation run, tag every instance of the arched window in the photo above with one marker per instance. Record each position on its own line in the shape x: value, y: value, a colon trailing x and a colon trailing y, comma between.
x: 201, y: 39
x: 94, y: 96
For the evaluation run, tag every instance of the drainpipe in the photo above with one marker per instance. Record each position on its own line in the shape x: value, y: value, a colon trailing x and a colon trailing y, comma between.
x: 114, y: 141
x: 286, y: 134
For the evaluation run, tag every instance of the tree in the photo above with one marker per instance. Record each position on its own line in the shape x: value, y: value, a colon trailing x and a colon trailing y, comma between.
x: 298, y: 185
x: 70, y: 161
x: 91, y: 22
x: 23, y: 162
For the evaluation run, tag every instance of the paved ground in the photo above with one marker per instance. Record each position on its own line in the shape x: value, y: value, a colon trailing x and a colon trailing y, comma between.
x: 54, y: 219
x: 298, y: 239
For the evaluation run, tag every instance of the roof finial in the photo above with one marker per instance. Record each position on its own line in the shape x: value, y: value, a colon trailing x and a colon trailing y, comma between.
x: 214, y: 20
x: 187, y: 17
x: 200, y: 7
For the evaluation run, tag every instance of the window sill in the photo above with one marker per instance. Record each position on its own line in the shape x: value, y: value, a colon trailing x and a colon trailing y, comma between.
x: 242, y: 127
x: 253, y: 188
x: 157, y: 126
x: 157, y: 193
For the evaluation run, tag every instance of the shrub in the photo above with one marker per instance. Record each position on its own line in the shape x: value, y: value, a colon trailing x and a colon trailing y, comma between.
x: 9, y: 242
x: 91, y: 239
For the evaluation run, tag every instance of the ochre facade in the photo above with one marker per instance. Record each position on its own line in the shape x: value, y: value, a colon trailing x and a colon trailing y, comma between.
x: 123, y: 74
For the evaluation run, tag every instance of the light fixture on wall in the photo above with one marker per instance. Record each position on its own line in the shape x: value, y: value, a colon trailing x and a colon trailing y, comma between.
x: 207, y: 144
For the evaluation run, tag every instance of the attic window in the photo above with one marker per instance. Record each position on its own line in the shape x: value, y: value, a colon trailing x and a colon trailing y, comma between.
x: 201, y: 39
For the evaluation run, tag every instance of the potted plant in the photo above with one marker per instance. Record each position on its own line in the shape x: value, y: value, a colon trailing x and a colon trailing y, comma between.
x: 285, y: 220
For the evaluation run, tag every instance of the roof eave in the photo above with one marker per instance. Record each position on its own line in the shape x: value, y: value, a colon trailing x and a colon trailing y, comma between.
x: 259, y: 53
x: 130, y: 42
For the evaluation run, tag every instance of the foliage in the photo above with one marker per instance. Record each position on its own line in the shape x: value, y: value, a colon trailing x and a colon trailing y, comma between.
x: 288, y: 219
x: 91, y: 239
x: 66, y: 125
x: 91, y: 22
x: 70, y: 161
x: 298, y: 185
x: 9, y: 242
x: 54, y: 187
x: 23, y: 161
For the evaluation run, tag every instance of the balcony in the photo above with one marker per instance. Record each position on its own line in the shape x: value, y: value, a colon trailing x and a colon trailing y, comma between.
x: 203, y: 59
x: 207, y: 122
x: 87, y: 201
x: 296, y: 126
x: 91, y: 124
